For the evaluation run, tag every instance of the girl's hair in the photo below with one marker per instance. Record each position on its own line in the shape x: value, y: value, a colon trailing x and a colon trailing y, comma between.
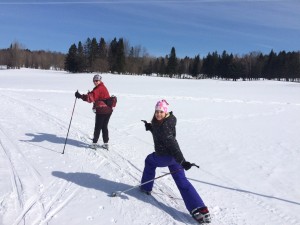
x: 154, y: 120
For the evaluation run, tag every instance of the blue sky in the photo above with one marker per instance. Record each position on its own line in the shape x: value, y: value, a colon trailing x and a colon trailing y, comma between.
x: 193, y: 26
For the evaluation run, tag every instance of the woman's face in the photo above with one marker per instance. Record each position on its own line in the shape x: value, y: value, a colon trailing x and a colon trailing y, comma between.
x: 97, y: 82
x: 159, y: 115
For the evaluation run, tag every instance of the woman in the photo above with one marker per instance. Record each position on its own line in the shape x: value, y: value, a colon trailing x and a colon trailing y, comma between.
x: 168, y: 153
x: 103, y: 112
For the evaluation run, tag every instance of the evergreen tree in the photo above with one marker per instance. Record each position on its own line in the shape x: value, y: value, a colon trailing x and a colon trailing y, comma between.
x: 103, y: 62
x: 281, y: 65
x: 81, y: 58
x: 196, y: 67
x: 120, y: 57
x: 71, y: 61
x: 93, y: 55
x: 87, y: 49
x: 293, y: 67
x: 102, y: 49
x: 259, y: 65
x: 270, y: 65
x: 172, y: 63
x: 236, y: 69
x: 223, y: 67
x: 181, y: 67
x: 210, y: 65
x: 112, y: 55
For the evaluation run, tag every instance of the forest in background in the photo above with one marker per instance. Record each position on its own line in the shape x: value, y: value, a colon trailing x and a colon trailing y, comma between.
x: 117, y: 56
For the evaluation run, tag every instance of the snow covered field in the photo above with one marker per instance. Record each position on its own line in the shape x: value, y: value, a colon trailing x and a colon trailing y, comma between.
x: 244, y: 136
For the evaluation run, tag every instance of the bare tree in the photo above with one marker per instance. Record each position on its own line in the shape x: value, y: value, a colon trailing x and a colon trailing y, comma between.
x: 15, y: 55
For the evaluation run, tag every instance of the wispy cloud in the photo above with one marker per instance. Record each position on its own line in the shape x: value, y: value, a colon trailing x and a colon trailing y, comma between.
x: 211, y: 24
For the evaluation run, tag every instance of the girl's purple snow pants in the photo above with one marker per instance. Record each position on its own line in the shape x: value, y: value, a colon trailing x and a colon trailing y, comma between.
x: 190, y: 196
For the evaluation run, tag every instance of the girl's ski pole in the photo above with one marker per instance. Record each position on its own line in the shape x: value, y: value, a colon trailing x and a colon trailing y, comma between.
x: 118, y: 193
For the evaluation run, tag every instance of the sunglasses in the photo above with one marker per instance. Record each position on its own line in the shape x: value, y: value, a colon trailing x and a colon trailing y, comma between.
x: 96, y: 81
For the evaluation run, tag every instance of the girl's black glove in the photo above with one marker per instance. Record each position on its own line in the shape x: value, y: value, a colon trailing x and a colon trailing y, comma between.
x: 186, y: 165
x: 148, y: 126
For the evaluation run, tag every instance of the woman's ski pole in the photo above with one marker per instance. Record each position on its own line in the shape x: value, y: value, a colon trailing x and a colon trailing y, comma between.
x: 69, y: 127
x: 118, y: 193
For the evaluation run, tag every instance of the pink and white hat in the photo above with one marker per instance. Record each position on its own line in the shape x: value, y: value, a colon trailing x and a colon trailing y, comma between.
x: 162, y: 105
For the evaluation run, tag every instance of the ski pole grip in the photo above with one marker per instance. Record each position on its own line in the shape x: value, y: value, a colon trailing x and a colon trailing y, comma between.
x: 144, y: 121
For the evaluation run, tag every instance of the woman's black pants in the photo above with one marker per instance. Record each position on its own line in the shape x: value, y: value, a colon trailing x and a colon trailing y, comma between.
x: 101, y: 123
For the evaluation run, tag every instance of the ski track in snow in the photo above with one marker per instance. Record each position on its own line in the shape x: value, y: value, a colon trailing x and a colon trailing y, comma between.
x: 57, y: 202
x: 61, y: 199
x: 32, y: 206
x: 41, y: 207
x: 15, y: 159
x: 265, y: 208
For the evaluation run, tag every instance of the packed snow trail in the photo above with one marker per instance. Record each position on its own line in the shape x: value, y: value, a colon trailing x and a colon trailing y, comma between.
x: 36, y: 209
x: 233, y: 139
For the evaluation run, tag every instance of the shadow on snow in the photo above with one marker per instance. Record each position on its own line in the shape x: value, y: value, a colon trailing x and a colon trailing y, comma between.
x: 89, y: 180
x: 40, y: 137
x: 245, y: 191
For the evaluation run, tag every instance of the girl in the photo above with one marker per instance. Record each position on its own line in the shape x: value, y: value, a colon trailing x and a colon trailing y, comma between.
x: 167, y: 153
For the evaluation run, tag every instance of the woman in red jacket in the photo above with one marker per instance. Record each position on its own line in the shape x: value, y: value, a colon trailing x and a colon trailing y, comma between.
x: 103, y: 112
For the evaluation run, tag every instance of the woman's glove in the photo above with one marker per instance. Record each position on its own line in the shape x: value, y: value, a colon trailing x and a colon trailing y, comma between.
x: 77, y: 94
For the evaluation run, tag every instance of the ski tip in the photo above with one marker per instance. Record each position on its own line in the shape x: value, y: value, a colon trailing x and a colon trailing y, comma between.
x: 114, y: 194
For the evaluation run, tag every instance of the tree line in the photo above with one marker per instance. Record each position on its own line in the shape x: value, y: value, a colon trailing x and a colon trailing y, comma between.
x: 117, y: 56
x: 16, y: 56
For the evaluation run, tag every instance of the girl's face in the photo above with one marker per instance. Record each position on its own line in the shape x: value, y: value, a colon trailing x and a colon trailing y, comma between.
x: 159, y: 115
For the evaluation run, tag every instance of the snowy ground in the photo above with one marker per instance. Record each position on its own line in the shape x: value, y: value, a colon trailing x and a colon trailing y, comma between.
x: 244, y: 136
